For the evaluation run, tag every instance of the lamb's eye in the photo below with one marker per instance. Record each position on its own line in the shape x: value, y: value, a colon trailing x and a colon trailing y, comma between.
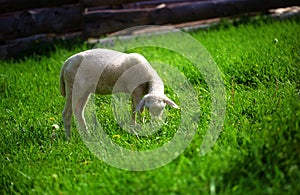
x: 150, y: 101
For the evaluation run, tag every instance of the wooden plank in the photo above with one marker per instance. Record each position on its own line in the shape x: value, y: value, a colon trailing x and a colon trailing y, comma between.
x: 154, y: 3
x: 138, y: 3
x: 95, y: 3
x: 16, y: 5
x: 37, y: 21
x: 98, y: 23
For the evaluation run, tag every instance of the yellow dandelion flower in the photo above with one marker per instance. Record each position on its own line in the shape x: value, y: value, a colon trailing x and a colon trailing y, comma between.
x: 116, y: 136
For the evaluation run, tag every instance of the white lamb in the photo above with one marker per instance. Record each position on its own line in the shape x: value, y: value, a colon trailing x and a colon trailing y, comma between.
x: 103, y: 71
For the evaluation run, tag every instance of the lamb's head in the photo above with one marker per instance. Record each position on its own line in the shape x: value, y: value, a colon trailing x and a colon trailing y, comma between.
x: 155, y: 104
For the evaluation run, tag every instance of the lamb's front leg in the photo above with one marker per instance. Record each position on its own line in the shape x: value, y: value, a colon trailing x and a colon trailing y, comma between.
x: 137, y: 96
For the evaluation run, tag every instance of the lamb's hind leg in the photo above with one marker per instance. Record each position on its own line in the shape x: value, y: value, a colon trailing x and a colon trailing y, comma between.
x: 79, y: 111
x: 67, y: 116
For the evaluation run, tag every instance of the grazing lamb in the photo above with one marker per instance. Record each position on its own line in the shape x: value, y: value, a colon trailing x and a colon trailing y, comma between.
x: 103, y: 71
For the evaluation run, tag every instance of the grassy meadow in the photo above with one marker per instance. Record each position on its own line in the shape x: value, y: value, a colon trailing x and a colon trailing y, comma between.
x: 258, y: 150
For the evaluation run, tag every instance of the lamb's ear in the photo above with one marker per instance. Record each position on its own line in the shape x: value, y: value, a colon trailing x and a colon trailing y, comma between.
x: 170, y: 102
x: 140, y: 105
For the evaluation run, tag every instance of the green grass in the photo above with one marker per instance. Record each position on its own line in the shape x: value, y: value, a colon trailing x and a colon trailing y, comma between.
x: 257, y: 152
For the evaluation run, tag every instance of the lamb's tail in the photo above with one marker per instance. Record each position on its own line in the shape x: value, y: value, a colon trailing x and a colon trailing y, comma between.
x: 62, y: 82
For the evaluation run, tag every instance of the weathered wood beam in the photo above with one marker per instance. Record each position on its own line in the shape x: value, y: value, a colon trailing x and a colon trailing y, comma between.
x: 98, y: 23
x: 37, y: 21
x: 16, y: 5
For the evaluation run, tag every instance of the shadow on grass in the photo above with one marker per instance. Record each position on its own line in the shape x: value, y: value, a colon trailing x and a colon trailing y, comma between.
x: 46, y: 48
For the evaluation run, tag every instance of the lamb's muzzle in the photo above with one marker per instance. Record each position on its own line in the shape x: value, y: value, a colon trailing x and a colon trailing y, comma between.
x: 97, y: 71
x: 155, y: 104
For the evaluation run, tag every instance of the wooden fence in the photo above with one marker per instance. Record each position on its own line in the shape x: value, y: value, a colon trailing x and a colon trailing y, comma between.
x: 26, y: 23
